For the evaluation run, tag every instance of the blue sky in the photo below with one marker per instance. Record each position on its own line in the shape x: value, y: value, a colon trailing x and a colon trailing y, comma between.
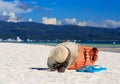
x: 100, y: 13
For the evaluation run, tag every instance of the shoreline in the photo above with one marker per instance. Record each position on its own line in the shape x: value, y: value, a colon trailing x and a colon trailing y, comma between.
x: 101, y: 47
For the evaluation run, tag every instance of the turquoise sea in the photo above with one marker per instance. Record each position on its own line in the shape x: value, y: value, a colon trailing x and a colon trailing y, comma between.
x: 95, y: 44
x: 102, y: 47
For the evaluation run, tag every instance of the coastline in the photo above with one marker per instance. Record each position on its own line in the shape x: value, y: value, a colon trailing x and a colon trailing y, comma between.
x: 101, y: 47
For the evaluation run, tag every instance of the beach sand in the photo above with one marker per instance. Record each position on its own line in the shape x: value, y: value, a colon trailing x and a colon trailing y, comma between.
x: 27, y: 64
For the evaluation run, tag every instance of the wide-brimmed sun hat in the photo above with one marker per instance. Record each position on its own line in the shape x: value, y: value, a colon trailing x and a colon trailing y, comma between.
x: 60, y: 54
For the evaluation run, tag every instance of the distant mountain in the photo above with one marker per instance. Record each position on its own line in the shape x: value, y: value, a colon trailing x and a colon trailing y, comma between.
x: 37, y: 31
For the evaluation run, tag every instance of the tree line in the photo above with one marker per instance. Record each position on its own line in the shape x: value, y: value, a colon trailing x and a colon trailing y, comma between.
x: 38, y: 31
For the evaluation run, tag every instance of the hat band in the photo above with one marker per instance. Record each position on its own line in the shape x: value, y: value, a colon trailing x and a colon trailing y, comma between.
x: 69, y: 56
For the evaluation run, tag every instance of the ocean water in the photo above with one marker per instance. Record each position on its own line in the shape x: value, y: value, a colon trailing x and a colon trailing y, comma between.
x: 110, y: 47
x: 103, y: 45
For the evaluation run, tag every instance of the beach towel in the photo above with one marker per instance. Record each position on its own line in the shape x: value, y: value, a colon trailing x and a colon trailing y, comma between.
x: 91, y: 69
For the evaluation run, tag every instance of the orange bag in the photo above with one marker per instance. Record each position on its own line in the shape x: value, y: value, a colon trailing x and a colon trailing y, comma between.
x: 88, y: 56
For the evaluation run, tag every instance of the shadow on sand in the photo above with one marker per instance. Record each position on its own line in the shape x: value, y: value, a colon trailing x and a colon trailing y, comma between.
x: 41, y: 69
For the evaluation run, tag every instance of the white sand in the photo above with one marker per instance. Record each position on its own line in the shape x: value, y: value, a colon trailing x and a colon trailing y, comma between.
x: 26, y: 64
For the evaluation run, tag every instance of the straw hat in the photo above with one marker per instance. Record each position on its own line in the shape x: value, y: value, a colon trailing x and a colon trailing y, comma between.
x: 60, y: 54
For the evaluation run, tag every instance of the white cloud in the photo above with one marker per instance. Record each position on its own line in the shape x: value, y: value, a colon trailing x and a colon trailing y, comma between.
x: 82, y: 23
x: 15, y: 6
x: 12, y: 14
x: 4, y: 13
x: 112, y: 23
x: 46, y: 20
x: 72, y: 21
x: 105, y: 23
x: 10, y: 17
x: 13, y: 18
